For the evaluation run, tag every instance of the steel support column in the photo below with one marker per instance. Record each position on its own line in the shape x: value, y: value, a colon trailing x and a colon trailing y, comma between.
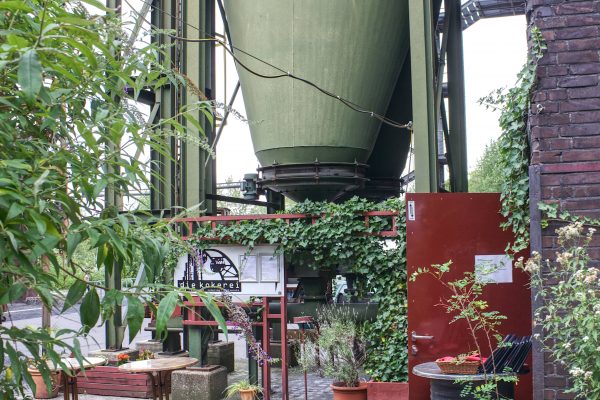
x: 113, y: 199
x: 456, y: 98
x: 198, y: 60
x: 424, y: 113
x: 163, y: 166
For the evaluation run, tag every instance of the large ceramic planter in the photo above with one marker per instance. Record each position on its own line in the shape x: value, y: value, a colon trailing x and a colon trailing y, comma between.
x: 41, y: 390
x: 247, y: 394
x: 387, y: 390
x: 349, y: 393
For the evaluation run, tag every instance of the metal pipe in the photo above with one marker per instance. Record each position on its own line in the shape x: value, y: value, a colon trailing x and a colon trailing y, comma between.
x: 224, y: 121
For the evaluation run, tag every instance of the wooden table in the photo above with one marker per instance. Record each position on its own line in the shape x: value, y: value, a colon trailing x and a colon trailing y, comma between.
x: 70, y: 381
x: 159, y: 368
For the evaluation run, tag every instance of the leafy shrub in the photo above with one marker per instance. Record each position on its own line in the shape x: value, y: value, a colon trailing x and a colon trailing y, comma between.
x: 570, y: 315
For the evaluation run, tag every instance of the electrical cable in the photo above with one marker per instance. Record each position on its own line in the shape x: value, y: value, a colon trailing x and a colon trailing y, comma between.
x: 353, y: 106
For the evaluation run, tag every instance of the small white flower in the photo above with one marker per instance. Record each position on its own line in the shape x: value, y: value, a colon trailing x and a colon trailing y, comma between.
x: 567, y: 345
x: 576, y: 371
x: 586, y: 338
x: 588, y: 374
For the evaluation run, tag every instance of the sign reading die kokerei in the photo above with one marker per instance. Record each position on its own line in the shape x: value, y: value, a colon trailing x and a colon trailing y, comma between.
x: 230, y: 268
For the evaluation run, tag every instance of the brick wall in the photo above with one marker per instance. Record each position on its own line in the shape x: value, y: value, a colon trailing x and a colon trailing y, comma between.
x: 565, y: 136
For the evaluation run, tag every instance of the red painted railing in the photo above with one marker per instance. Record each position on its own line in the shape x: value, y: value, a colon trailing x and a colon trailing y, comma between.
x: 225, y: 219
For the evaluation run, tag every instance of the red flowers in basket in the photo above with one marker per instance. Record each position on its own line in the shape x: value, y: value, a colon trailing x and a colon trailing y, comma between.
x: 459, y: 359
x: 462, y: 364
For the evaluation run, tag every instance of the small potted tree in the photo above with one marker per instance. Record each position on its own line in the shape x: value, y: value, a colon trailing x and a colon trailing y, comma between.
x: 338, y: 352
x: 245, y: 389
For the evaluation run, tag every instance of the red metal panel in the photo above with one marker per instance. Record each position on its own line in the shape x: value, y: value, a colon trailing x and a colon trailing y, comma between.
x: 458, y: 226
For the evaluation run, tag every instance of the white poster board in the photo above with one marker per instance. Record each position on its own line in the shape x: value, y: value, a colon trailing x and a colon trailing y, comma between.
x: 493, y: 268
x: 230, y: 268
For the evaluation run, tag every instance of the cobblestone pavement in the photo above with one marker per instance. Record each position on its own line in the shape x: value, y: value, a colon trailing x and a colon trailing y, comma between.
x: 318, y: 388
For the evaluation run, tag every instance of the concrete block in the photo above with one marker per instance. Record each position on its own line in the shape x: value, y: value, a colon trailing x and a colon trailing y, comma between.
x: 207, y: 383
x: 153, y: 345
x: 112, y: 356
x: 292, y: 351
x: 222, y: 353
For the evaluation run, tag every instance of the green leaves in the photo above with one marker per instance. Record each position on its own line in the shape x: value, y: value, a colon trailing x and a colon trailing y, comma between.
x: 75, y: 293
x: 135, y: 316
x: 513, y: 145
x: 14, y: 5
x: 89, y: 312
x: 165, y: 310
x: 30, y: 73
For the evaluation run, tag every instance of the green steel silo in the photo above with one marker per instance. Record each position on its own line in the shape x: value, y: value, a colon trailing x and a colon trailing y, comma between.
x: 309, y: 144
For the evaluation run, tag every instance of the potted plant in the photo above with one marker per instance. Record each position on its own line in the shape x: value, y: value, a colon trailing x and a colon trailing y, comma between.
x: 245, y: 389
x: 42, y: 391
x: 338, y: 352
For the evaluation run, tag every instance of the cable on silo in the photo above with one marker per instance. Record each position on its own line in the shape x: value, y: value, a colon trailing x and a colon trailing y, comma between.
x: 285, y: 74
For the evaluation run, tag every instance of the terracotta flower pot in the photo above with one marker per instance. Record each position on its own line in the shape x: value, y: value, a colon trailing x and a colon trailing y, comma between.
x: 41, y: 391
x: 349, y: 393
x: 247, y: 394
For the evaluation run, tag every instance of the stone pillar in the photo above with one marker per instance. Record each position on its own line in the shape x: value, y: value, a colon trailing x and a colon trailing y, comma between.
x: 204, y: 383
x: 221, y: 353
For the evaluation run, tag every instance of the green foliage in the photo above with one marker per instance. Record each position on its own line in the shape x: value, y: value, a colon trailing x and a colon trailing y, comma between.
x: 338, y: 350
x: 387, y: 359
x: 570, y: 313
x: 487, y: 177
x: 552, y: 213
x: 341, y: 239
x: 66, y: 136
x: 514, y: 105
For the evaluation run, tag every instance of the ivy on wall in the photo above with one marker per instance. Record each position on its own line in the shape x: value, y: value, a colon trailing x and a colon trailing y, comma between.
x: 388, y: 344
x: 339, y: 238
x: 514, y: 105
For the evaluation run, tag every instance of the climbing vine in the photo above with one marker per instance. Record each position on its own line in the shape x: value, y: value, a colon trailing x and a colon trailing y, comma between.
x: 514, y: 105
x: 339, y: 239
x: 387, y: 335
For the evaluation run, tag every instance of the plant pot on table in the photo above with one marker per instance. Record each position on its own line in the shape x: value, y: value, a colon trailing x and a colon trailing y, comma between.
x: 342, y: 392
x: 41, y: 390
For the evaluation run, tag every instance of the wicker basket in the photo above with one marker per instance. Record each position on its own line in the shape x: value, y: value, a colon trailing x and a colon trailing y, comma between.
x: 463, y: 368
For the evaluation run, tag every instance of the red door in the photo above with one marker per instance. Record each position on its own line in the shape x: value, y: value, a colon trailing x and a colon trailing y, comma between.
x: 457, y: 227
